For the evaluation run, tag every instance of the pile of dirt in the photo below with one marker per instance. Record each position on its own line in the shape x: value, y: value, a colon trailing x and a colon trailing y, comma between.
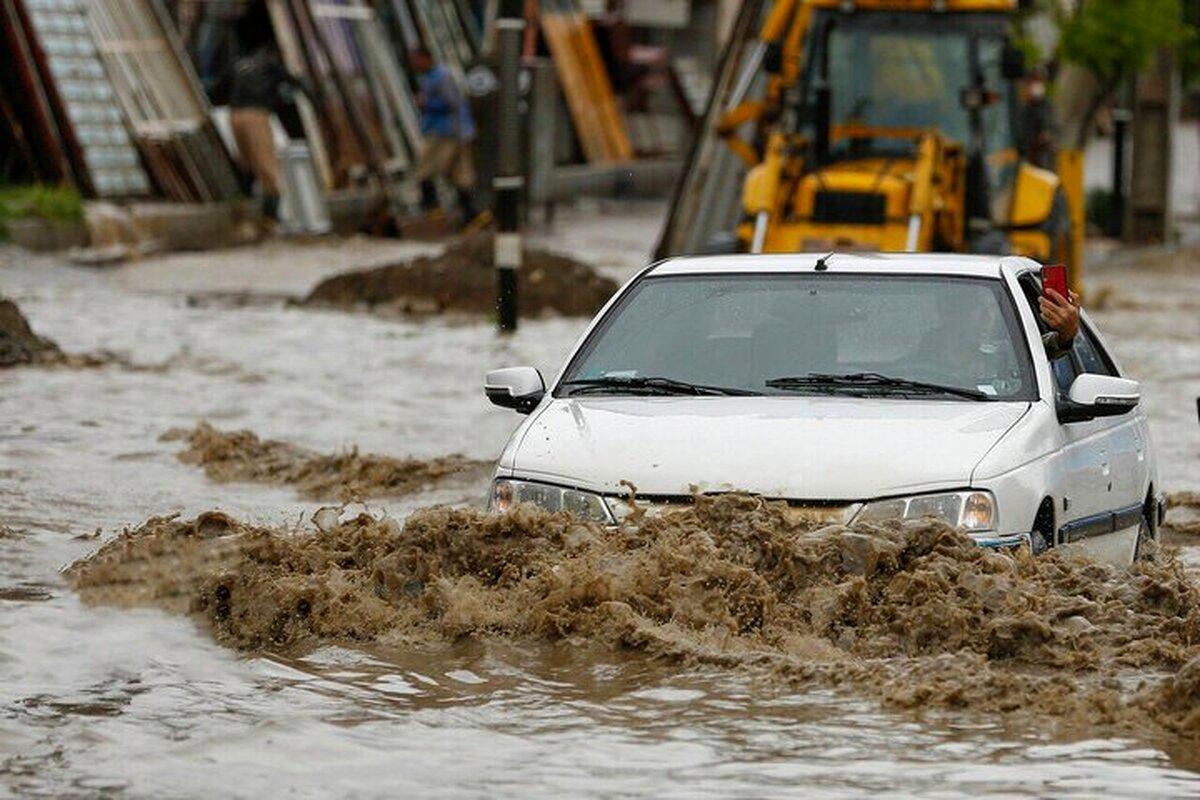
x: 463, y: 278
x: 240, y: 456
x: 912, y: 613
x: 18, y: 343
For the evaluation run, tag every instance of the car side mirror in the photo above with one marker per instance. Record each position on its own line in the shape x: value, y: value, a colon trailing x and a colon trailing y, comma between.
x: 1093, y: 396
x: 518, y: 388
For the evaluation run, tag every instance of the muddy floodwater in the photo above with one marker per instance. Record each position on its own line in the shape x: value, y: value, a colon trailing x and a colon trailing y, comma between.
x: 99, y: 699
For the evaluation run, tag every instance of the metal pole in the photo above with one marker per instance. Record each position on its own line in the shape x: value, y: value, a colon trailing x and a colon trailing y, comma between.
x: 509, y: 183
x: 543, y: 114
x: 1116, y: 215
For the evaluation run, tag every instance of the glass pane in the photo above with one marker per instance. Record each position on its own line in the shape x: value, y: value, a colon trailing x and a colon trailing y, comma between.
x: 741, y: 331
x: 899, y: 79
x: 1064, y: 372
x: 1090, y: 360
x: 997, y: 118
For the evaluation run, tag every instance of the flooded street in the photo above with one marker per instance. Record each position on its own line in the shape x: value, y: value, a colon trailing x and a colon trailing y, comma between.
x: 106, y: 701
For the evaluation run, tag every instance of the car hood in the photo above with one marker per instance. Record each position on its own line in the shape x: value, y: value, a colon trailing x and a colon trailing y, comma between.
x: 804, y: 448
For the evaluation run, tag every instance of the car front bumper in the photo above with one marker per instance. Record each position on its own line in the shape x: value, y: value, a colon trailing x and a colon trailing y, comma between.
x: 1003, y: 541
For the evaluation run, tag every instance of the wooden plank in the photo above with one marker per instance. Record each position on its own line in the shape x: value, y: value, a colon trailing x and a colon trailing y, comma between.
x: 530, y: 40
x: 616, y: 134
x: 556, y: 30
x: 52, y: 142
x: 598, y: 121
x: 332, y: 11
x: 161, y: 97
x: 293, y: 56
x: 393, y: 77
x: 131, y: 45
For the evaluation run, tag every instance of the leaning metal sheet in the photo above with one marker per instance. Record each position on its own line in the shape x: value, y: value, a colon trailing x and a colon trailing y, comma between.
x: 111, y: 157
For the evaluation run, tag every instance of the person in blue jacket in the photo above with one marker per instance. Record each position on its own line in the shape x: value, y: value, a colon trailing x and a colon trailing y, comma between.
x: 449, y: 131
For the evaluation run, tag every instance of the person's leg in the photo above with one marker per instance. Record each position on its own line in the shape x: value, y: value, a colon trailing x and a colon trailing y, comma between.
x: 467, y: 205
x: 239, y: 125
x: 256, y: 141
x: 434, y: 159
x: 463, y: 176
x: 268, y: 163
x: 429, y: 196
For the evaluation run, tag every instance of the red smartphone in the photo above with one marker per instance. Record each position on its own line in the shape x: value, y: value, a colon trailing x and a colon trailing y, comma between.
x: 1054, y: 276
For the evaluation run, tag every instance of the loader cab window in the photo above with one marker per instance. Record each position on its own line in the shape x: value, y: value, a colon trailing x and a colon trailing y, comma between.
x: 997, y: 116
x: 888, y: 82
x: 896, y: 81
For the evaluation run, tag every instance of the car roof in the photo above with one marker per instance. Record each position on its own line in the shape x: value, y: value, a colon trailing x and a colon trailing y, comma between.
x: 979, y: 266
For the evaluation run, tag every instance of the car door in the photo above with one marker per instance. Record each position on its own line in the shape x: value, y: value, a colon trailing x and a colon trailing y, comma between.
x: 1087, y: 463
x: 1125, y: 440
x: 1097, y: 460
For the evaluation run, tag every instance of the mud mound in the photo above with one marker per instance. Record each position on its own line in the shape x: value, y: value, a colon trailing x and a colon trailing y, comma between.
x: 18, y: 343
x: 463, y: 278
x: 914, y: 614
x: 240, y: 456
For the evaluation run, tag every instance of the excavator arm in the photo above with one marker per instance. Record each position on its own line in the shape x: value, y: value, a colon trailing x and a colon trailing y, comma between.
x: 779, y: 52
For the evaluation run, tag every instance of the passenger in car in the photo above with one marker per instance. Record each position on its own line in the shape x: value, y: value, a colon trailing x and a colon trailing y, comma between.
x: 1062, y: 315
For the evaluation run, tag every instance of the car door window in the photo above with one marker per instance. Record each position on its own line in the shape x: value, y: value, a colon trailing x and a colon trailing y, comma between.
x: 1065, y: 368
x: 1065, y: 372
x: 1090, y: 356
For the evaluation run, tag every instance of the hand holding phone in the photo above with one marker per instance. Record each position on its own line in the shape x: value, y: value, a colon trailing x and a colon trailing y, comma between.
x: 1060, y: 308
x: 1054, y: 276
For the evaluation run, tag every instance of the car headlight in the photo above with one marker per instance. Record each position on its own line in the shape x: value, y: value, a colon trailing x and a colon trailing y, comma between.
x: 973, y: 511
x: 507, y: 493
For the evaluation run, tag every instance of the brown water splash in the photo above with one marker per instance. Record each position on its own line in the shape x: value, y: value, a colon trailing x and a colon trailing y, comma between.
x: 240, y: 456
x: 1184, y: 500
x: 914, y: 613
x: 1183, y: 515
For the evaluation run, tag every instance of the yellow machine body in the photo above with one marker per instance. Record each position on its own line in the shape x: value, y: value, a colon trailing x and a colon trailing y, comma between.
x: 912, y: 203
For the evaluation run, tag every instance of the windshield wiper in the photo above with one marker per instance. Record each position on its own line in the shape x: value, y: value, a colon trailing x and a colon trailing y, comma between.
x: 865, y: 381
x: 666, y: 386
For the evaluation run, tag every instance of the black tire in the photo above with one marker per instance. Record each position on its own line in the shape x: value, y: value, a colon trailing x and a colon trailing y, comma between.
x: 1147, y: 535
x: 1041, y: 536
x: 1037, y: 543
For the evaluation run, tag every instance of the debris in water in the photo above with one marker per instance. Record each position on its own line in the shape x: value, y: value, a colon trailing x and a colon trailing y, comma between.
x: 240, y: 456
x: 326, y: 518
x: 463, y: 278
x: 912, y: 613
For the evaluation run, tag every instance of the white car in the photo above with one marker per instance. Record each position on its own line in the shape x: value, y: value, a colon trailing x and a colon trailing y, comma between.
x: 856, y: 387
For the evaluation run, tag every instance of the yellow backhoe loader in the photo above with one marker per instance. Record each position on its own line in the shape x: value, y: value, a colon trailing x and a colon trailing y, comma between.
x: 876, y: 125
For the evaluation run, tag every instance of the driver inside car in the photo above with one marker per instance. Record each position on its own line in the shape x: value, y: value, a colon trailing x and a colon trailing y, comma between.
x: 970, y: 335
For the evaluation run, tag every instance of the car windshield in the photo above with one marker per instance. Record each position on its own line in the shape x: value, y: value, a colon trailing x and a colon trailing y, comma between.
x: 807, y: 334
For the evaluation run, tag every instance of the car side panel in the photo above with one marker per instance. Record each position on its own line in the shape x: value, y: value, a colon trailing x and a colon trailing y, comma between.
x: 1023, y: 468
x: 1087, y: 449
x: 1099, y: 467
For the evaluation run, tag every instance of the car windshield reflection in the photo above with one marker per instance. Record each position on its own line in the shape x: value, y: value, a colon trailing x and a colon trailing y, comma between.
x: 930, y: 337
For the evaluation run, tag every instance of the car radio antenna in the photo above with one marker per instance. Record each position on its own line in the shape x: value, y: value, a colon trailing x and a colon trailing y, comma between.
x: 823, y: 262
